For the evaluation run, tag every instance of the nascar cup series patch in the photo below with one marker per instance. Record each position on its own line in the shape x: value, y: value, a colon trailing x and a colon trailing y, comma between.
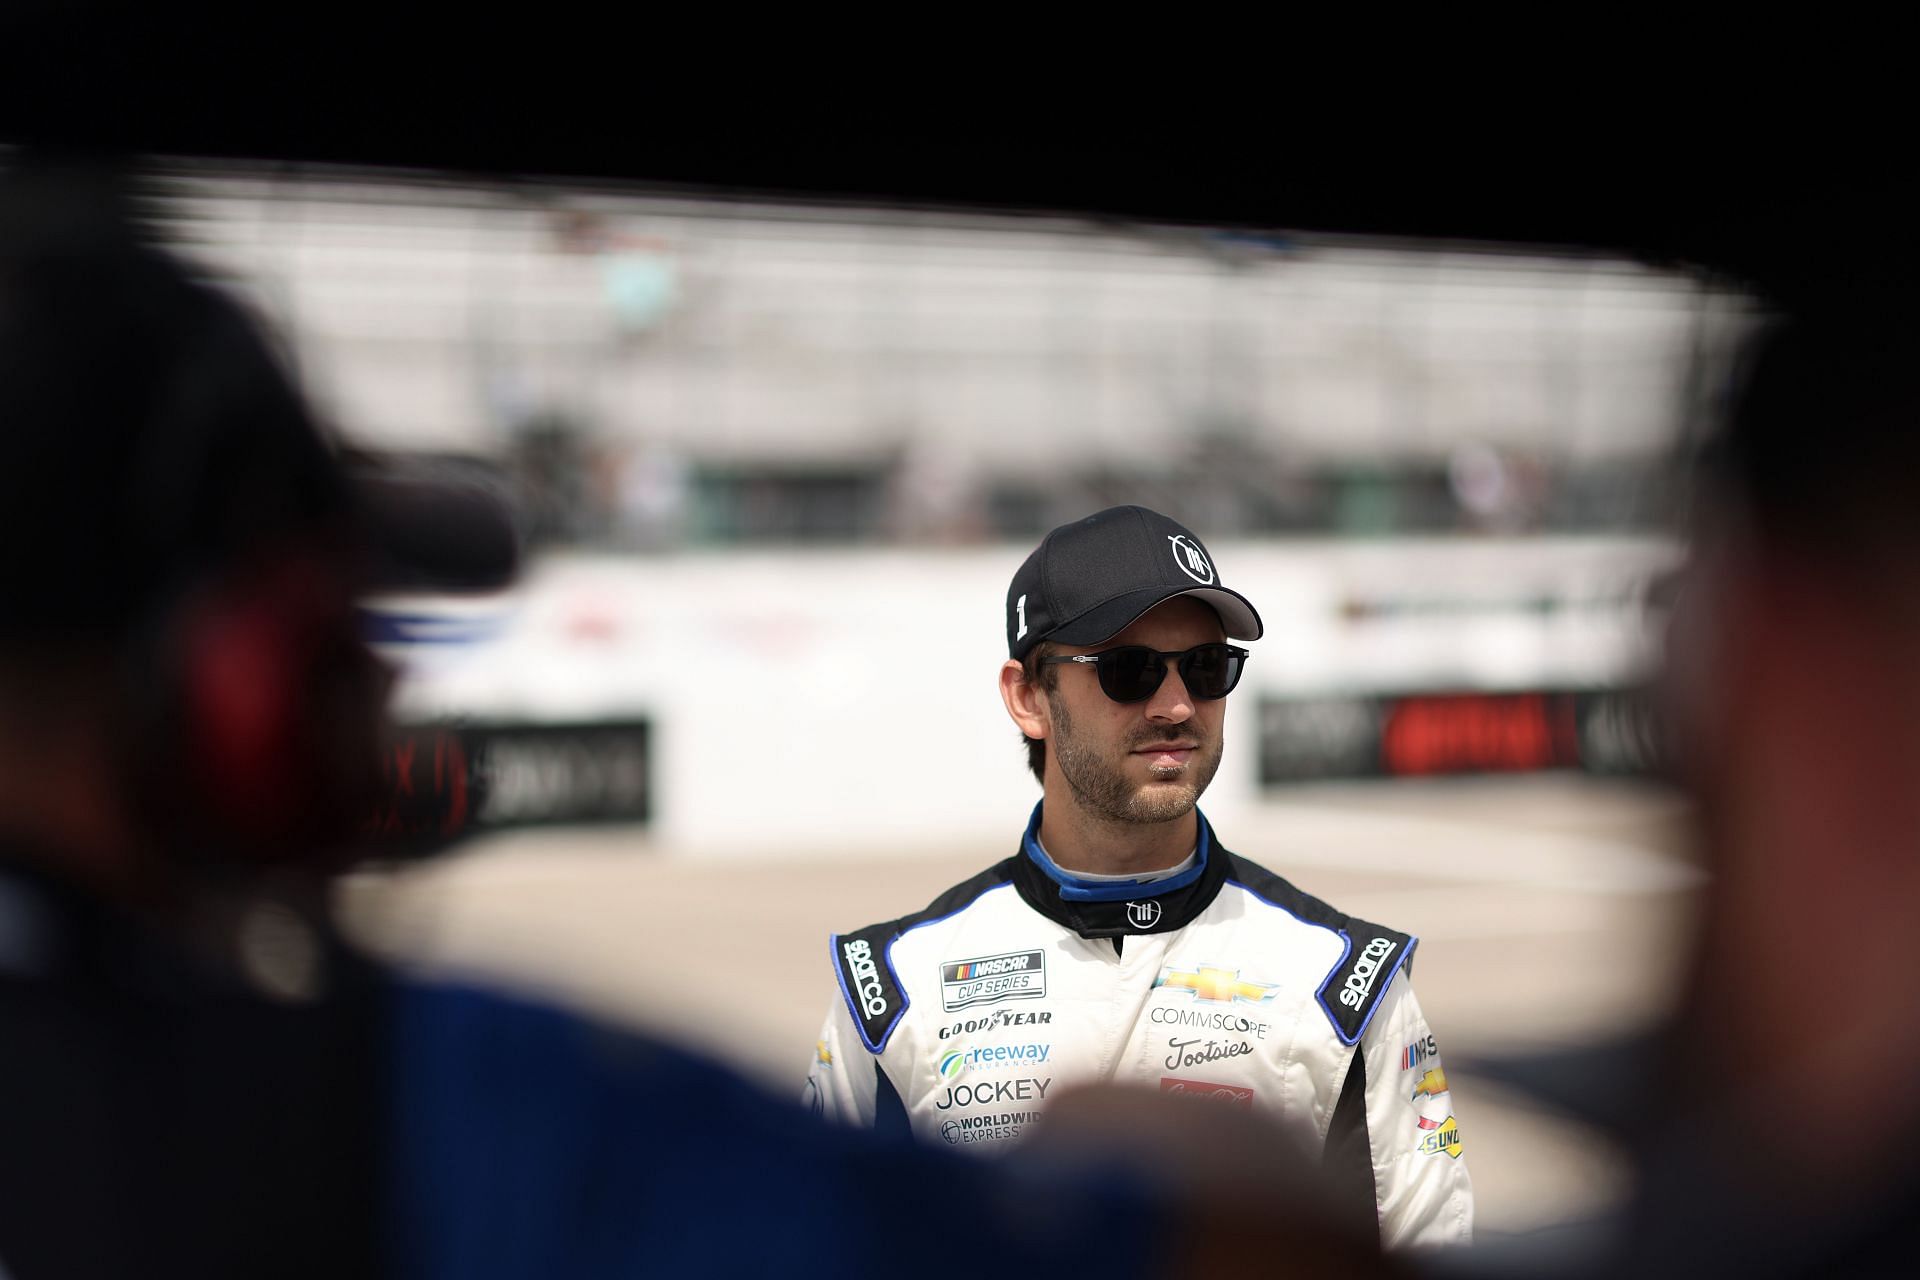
x: 1012, y: 975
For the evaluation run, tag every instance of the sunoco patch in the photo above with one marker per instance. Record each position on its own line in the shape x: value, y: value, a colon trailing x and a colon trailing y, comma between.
x: 1012, y: 975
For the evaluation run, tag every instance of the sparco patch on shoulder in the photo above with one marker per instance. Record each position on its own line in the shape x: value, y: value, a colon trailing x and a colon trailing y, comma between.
x: 1354, y: 989
x: 867, y: 981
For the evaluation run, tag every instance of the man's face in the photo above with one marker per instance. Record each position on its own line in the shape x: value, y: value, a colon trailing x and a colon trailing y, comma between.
x: 1138, y: 762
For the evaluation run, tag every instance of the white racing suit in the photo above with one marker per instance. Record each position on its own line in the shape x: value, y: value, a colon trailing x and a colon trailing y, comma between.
x: 1224, y: 982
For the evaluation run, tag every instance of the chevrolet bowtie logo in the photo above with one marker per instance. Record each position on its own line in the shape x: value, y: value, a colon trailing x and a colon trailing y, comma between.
x: 1219, y: 985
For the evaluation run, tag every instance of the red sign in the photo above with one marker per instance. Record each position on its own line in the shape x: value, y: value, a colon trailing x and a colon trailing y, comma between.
x: 1424, y: 734
x: 1475, y: 732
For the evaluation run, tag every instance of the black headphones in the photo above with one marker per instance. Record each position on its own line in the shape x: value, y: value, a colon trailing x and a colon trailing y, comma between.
x: 174, y: 506
x: 264, y: 721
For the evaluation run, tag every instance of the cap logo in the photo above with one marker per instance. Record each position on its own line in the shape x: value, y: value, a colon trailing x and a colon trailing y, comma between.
x: 1191, y: 559
x: 1020, y: 611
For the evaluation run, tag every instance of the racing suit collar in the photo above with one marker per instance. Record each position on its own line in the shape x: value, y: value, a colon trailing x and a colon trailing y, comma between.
x: 1104, y: 909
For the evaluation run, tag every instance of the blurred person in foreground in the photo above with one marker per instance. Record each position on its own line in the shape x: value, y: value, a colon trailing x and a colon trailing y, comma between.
x: 1783, y: 1131
x: 196, y: 1077
x: 1121, y: 942
x: 1773, y: 1124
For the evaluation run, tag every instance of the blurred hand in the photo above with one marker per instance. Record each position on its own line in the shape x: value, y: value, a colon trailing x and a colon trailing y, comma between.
x: 1244, y: 1196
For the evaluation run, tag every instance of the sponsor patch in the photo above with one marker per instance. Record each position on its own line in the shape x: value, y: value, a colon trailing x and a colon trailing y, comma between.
x: 1359, y: 983
x: 1229, y: 1093
x: 1354, y: 989
x: 1418, y: 1052
x: 1195, y: 1052
x: 994, y: 1093
x: 863, y: 978
x: 867, y: 981
x: 994, y: 1021
x: 1431, y: 1085
x: 1206, y: 1020
x: 1013, y: 975
x: 1212, y: 982
x: 1002, y: 1127
x: 822, y: 1054
x: 993, y: 1057
x: 1443, y: 1140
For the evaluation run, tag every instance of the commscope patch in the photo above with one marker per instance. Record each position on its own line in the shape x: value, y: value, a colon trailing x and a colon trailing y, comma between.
x: 1015, y: 975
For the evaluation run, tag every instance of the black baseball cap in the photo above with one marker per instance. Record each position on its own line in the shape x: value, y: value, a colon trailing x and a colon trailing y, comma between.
x: 1088, y: 580
x: 151, y: 432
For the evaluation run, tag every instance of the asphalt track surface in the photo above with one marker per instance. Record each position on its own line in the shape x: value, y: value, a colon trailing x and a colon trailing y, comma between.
x: 1553, y: 910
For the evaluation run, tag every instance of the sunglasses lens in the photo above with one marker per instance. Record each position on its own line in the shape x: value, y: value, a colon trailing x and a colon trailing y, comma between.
x: 1210, y: 670
x: 1130, y: 674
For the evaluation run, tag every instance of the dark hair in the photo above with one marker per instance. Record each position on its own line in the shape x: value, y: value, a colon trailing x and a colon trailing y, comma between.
x: 1048, y: 679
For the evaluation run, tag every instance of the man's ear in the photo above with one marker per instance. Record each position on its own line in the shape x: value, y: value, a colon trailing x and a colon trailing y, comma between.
x: 1026, y: 700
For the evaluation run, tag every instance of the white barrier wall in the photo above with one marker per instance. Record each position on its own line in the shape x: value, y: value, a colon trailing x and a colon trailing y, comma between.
x: 816, y: 702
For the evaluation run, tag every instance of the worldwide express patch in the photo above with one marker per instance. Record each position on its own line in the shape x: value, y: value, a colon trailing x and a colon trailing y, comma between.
x: 1012, y: 975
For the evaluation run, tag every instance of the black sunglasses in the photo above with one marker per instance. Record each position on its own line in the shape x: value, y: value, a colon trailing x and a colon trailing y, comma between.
x: 1133, y: 672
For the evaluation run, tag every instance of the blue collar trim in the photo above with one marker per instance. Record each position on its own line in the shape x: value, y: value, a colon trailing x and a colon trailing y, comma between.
x: 1075, y: 889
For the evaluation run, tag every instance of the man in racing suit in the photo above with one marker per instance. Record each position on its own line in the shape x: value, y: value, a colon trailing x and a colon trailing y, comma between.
x: 1122, y: 942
